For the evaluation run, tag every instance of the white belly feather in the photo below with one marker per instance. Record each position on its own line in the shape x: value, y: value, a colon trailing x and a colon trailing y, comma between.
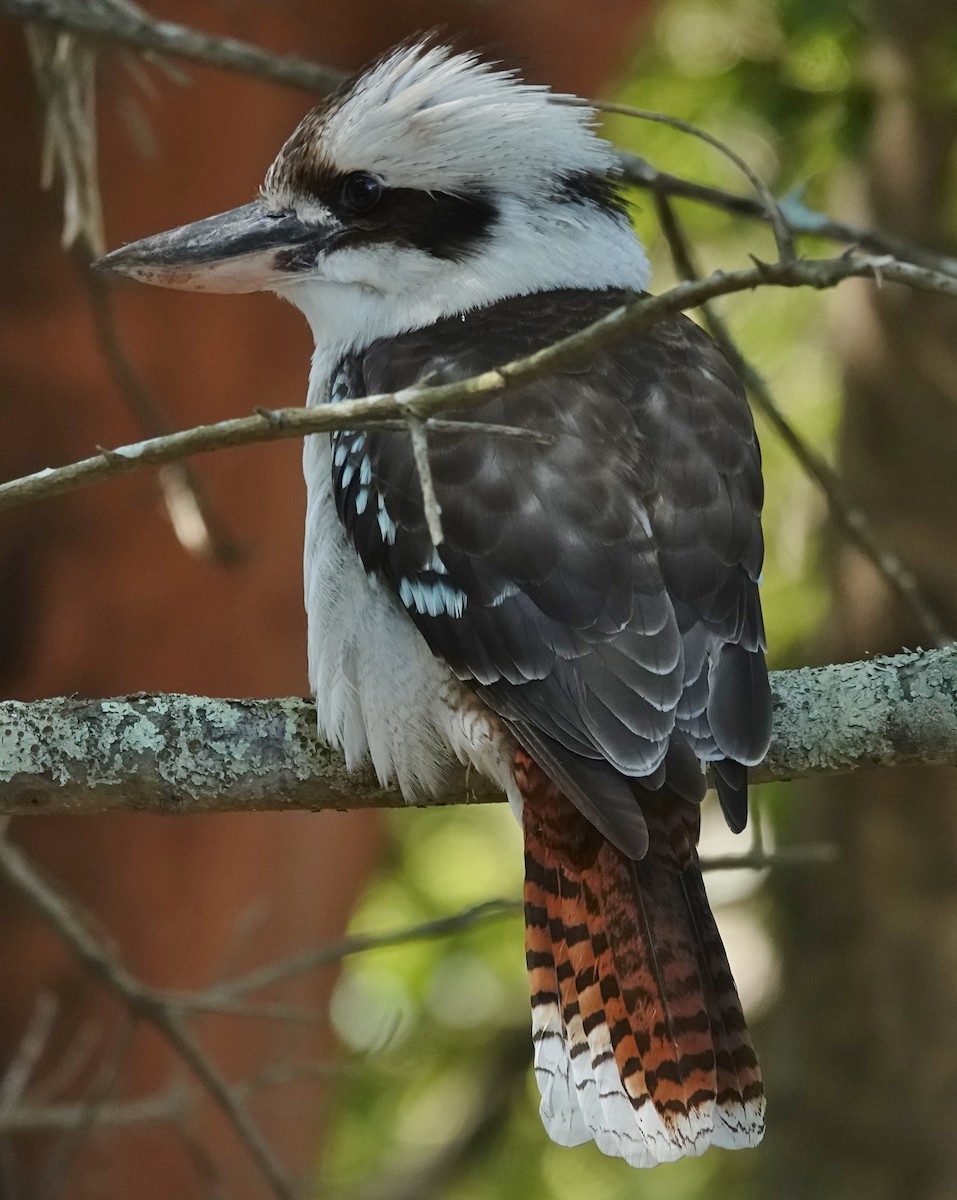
x: 379, y: 690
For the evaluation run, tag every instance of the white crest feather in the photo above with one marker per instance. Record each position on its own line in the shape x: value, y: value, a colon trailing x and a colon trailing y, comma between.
x: 427, y: 117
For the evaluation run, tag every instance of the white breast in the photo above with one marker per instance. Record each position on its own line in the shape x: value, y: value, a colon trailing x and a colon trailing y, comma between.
x: 379, y: 690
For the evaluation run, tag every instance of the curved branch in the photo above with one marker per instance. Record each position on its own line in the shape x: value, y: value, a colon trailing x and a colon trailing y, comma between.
x: 188, y: 754
x: 426, y: 402
x: 802, y: 220
x: 771, y: 209
x: 128, y: 25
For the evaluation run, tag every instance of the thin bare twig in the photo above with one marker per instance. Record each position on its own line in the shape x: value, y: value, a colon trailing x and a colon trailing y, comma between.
x: 212, y: 1000
x: 130, y: 26
x: 19, y: 1070
x: 487, y: 429
x: 793, y: 856
x: 430, y: 503
x: 56, y: 1166
x: 198, y: 527
x: 334, y: 952
x: 631, y: 318
x: 167, y: 1108
x: 64, y: 68
x: 77, y: 1057
x: 772, y: 209
x: 846, y: 516
x: 281, y: 1074
x: 142, y: 1003
x: 802, y: 220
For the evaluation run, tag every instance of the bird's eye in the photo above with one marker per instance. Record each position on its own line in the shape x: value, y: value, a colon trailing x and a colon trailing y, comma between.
x: 361, y: 192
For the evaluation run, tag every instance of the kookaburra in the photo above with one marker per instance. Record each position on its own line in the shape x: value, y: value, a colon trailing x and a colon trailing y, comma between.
x: 587, y: 633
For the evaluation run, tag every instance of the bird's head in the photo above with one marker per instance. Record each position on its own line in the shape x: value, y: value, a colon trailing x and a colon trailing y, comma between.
x: 431, y: 183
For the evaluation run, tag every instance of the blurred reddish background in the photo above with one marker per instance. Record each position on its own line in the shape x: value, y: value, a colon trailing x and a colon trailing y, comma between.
x: 98, y: 597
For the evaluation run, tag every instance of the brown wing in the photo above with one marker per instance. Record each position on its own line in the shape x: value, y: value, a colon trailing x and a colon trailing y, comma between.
x: 599, y: 591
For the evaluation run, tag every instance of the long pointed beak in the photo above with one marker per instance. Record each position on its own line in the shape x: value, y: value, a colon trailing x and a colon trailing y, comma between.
x: 247, y: 249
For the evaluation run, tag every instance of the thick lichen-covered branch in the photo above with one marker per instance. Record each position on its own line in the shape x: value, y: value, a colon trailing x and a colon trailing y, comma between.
x: 187, y: 754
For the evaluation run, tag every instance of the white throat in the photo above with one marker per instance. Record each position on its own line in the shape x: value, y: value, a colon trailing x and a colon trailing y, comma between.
x: 531, y: 250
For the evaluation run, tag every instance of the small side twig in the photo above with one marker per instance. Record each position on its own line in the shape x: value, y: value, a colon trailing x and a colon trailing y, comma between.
x: 803, y: 221
x: 794, y: 856
x: 128, y: 25
x: 64, y: 68
x: 87, y: 1043
x: 58, y: 1162
x: 334, y: 952
x: 27, y: 1117
x: 281, y: 1074
x: 211, y: 1000
x: 19, y: 1071
x: 430, y: 503
x: 783, y: 236
x: 199, y: 529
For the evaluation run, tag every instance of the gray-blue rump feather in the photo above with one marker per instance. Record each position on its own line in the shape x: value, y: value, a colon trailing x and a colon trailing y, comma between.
x: 599, y: 590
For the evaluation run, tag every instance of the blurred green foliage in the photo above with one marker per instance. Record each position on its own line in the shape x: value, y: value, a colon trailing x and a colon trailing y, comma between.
x: 436, y: 1025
